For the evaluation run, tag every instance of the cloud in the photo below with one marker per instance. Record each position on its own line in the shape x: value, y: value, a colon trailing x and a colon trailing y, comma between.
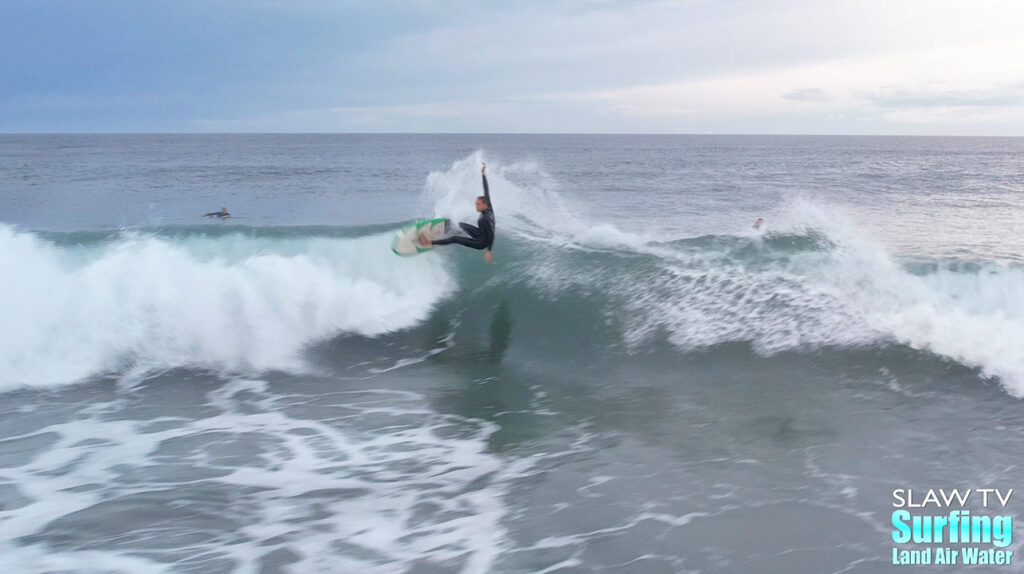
x: 945, y: 96
x: 899, y: 93
x: 425, y: 65
x: 807, y: 95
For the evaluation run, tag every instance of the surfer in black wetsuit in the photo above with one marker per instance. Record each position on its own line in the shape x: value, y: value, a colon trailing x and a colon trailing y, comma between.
x: 222, y: 214
x: 481, y: 236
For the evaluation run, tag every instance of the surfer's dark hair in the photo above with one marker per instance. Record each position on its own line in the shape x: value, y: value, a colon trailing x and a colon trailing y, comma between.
x: 484, y: 199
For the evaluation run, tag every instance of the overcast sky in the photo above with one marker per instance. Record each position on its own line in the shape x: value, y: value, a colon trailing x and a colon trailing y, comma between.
x: 688, y: 66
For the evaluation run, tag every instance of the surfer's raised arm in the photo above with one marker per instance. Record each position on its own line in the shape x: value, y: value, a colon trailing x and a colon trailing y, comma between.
x: 487, y: 190
x: 490, y: 210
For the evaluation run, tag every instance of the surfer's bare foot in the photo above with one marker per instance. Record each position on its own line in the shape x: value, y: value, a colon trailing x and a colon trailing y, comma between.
x: 425, y: 240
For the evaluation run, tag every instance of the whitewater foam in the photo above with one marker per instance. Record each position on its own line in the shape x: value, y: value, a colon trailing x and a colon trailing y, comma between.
x: 853, y: 293
x: 225, y: 303
x: 252, y: 483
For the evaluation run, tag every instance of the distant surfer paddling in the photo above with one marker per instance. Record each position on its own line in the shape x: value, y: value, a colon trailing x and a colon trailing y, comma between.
x: 222, y: 214
x: 481, y: 236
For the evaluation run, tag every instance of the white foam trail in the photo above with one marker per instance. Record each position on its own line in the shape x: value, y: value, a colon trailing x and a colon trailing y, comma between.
x: 388, y: 486
x: 230, y: 303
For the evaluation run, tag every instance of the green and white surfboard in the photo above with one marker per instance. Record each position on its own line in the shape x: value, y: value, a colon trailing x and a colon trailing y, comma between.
x: 407, y: 242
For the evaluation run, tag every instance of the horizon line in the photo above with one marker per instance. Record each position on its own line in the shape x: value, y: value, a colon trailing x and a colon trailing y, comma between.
x: 398, y: 133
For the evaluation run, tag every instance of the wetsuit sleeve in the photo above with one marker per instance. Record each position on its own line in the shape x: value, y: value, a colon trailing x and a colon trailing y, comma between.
x: 490, y: 209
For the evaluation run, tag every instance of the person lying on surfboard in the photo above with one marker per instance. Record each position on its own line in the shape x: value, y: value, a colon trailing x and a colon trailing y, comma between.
x: 481, y: 236
x: 222, y: 214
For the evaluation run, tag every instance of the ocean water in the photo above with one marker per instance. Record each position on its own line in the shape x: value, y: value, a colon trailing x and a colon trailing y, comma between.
x: 639, y: 383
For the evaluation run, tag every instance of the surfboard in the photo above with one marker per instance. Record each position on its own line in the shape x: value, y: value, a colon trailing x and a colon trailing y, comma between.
x: 407, y: 241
